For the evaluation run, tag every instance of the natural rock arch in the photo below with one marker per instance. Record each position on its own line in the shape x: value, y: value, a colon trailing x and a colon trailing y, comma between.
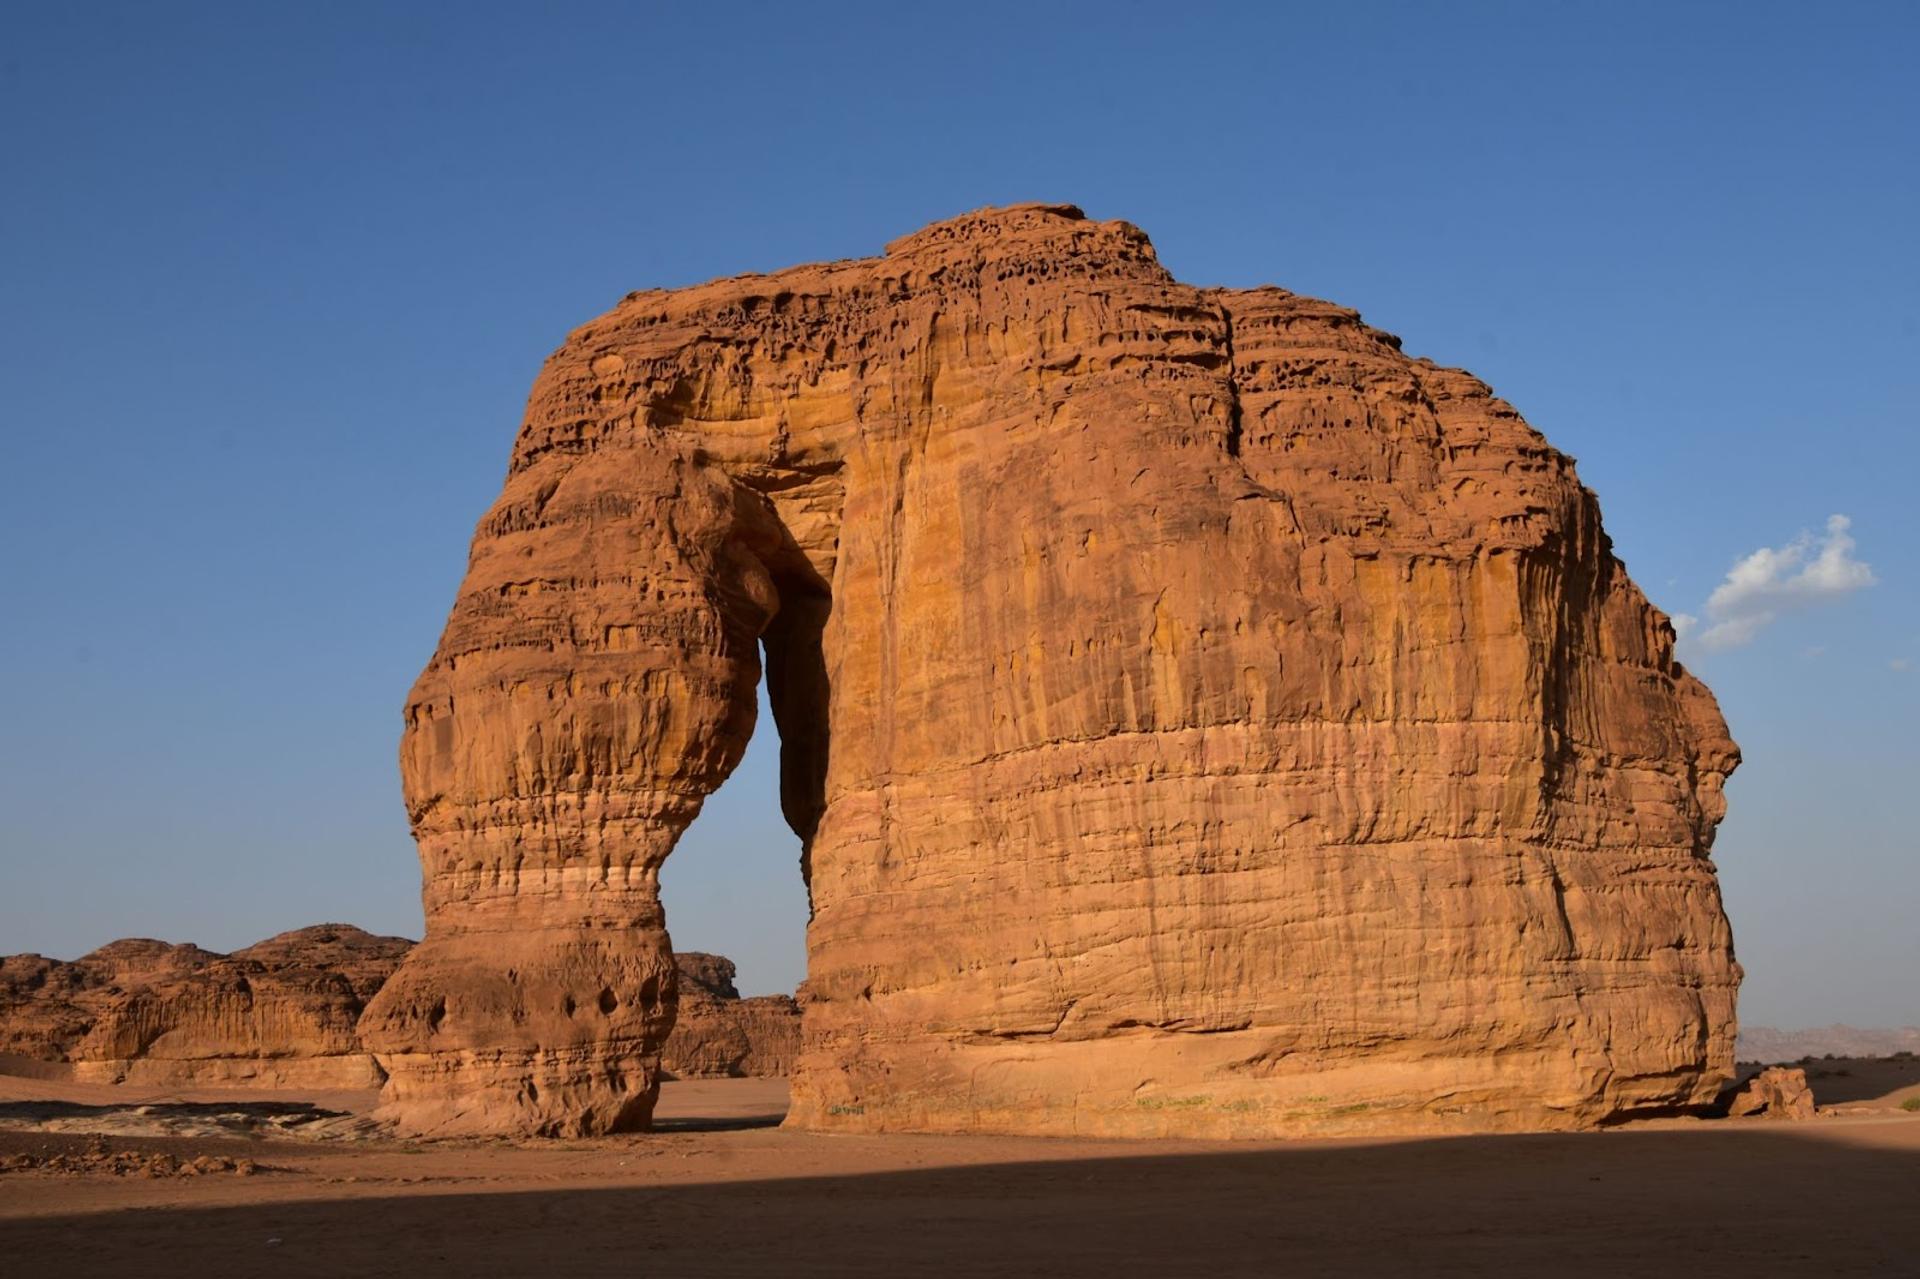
x: 1200, y: 717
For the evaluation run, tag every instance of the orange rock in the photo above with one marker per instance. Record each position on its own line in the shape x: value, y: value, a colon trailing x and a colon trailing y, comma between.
x: 1200, y: 718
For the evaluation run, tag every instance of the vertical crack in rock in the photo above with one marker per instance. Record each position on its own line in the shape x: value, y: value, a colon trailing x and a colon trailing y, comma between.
x: 1200, y: 717
x: 1234, y: 424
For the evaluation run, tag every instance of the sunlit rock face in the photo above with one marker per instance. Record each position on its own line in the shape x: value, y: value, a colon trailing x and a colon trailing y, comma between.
x: 1200, y: 718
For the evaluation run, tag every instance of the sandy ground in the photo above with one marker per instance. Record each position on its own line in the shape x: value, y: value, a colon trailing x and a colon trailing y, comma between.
x: 720, y: 1191
x: 1846, y: 1082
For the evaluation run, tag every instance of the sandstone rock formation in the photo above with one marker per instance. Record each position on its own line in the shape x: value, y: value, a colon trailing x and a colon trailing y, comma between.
x: 1200, y: 717
x: 281, y: 1013
x: 1777, y: 1093
x: 717, y: 1033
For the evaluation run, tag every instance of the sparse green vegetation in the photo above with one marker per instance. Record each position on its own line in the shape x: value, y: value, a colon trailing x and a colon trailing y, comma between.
x: 837, y: 1109
x: 1911, y: 1103
x: 1171, y: 1103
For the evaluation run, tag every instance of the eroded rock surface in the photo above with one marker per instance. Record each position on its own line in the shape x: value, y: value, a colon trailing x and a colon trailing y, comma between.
x: 717, y: 1033
x: 280, y: 1013
x: 1201, y: 717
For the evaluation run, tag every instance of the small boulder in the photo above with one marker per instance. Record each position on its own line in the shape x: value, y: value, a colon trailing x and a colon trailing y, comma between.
x: 1778, y: 1092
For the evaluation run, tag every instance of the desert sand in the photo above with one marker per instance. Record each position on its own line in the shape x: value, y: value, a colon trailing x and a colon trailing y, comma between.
x: 721, y: 1191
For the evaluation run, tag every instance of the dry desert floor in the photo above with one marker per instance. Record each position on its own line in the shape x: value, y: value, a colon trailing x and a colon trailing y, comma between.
x: 722, y: 1191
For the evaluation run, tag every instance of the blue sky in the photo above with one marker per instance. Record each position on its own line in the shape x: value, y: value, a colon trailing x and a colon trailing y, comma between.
x: 274, y: 281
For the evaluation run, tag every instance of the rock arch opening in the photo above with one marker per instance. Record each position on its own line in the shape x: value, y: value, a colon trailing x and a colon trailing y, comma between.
x: 736, y: 910
x: 733, y: 884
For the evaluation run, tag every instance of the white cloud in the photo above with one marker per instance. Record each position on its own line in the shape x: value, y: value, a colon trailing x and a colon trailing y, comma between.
x: 1805, y: 573
x: 1899, y: 664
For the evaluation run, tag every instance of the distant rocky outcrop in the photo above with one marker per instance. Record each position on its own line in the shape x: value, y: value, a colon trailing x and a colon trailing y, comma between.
x: 47, y: 1006
x: 717, y: 1033
x: 280, y: 1013
x: 284, y: 1013
x: 1765, y: 1044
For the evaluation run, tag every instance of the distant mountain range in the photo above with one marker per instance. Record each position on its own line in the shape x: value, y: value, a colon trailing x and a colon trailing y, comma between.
x: 1765, y: 1044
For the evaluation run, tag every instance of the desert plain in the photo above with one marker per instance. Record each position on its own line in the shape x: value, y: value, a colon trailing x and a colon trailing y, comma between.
x: 720, y: 1189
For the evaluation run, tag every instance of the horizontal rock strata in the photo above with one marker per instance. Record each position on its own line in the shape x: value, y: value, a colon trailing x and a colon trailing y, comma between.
x: 1200, y: 717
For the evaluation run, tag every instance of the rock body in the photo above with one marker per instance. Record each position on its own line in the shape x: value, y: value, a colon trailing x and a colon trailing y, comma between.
x: 1200, y: 717
x: 716, y: 1033
x: 281, y: 1013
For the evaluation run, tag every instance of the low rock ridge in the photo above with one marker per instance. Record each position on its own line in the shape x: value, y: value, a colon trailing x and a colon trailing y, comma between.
x: 1765, y: 1044
x: 284, y: 1013
x: 280, y: 1013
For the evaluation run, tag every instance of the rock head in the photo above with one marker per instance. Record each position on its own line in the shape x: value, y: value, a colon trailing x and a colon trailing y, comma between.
x: 1199, y: 717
